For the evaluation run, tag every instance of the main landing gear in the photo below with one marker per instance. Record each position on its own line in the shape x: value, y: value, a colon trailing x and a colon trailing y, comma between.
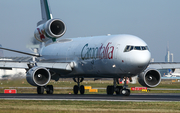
x: 49, y: 89
x: 118, y: 89
x: 77, y: 87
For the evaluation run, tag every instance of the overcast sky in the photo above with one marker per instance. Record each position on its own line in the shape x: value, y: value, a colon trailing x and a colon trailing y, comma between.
x: 157, y: 22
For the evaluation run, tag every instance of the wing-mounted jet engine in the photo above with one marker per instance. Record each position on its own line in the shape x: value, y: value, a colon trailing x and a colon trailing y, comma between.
x: 38, y: 76
x: 52, y: 29
x: 149, y: 78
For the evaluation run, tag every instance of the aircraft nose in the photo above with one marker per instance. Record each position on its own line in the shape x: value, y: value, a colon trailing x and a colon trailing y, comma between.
x: 142, y: 59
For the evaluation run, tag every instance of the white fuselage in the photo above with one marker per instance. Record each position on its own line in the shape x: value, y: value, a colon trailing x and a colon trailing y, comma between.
x: 100, y: 56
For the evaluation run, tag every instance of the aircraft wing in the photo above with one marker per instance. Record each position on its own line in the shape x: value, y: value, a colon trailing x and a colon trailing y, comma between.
x: 58, y: 65
x: 8, y: 64
x: 164, y: 65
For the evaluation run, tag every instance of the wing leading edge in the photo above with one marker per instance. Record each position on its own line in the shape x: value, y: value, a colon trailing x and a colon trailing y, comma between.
x: 23, y: 65
x: 164, y: 65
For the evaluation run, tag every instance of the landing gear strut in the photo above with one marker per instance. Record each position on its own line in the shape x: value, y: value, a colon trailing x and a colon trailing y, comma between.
x: 77, y: 87
x: 118, y: 89
x: 49, y: 89
x: 125, y: 91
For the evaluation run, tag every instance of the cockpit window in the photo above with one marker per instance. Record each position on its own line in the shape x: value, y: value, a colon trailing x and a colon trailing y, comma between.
x: 129, y: 48
x: 143, y: 48
x: 137, y: 48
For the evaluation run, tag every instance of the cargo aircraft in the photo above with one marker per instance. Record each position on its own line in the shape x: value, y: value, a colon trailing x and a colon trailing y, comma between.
x: 111, y: 56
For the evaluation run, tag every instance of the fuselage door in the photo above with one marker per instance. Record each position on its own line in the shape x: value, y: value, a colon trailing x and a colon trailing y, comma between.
x: 116, y: 51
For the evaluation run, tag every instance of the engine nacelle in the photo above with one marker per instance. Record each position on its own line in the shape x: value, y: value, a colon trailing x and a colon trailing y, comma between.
x: 149, y: 78
x: 52, y: 29
x: 38, y: 76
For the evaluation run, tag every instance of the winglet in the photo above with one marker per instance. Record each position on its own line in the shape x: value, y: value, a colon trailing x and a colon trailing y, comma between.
x: 45, y: 12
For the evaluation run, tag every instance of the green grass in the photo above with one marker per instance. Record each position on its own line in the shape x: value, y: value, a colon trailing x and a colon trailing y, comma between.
x: 36, y: 106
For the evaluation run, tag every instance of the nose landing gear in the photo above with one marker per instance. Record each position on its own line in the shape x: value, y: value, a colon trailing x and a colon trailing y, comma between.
x: 118, y: 89
x: 125, y: 92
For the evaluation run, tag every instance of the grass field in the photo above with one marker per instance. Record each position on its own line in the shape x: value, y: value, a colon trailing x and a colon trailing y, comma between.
x: 36, y: 106
x: 6, y: 84
x: 32, y: 106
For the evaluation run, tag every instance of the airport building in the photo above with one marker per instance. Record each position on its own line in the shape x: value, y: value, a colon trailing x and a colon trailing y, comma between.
x: 14, y: 73
x: 169, y: 72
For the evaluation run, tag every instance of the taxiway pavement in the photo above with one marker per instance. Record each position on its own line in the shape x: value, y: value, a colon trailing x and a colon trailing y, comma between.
x: 94, y: 97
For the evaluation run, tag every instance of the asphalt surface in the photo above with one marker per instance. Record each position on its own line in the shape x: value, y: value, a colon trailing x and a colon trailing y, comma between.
x: 94, y: 97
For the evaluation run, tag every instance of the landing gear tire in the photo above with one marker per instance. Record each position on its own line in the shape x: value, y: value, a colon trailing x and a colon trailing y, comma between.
x: 118, y: 90
x: 40, y: 90
x: 110, y: 90
x: 75, y: 89
x: 82, y: 89
x: 125, y: 92
x: 50, y: 89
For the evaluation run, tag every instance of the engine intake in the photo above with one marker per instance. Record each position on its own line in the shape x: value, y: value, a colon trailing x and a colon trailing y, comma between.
x: 52, y: 29
x: 38, y: 76
x: 149, y: 78
x: 57, y: 28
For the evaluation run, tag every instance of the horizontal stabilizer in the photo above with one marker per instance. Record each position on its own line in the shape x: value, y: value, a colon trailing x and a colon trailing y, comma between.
x: 31, y: 54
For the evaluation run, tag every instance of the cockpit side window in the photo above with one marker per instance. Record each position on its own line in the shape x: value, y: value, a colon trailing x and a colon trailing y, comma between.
x: 146, y: 47
x: 132, y: 47
x: 127, y: 49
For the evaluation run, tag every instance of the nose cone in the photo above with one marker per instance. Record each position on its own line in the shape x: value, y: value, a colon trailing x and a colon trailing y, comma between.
x: 141, y: 59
